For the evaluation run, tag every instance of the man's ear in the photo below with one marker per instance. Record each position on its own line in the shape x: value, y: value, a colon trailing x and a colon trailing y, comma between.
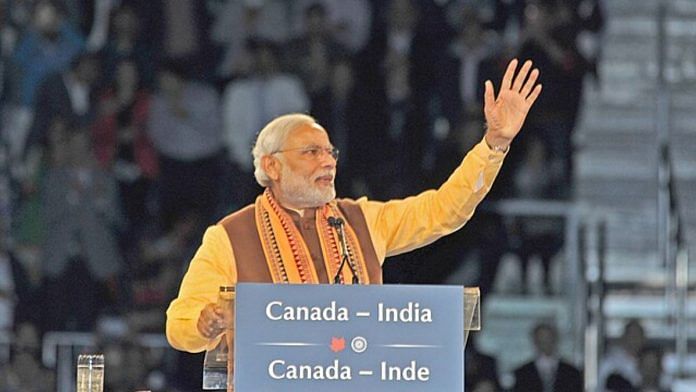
x: 271, y: 166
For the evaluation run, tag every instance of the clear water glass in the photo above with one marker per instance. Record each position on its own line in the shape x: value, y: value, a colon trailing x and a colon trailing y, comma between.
x: 218, y: 364
x: 90, y: 373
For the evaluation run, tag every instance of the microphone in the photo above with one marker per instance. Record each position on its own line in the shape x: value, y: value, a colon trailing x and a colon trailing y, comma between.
x: 337, y: 223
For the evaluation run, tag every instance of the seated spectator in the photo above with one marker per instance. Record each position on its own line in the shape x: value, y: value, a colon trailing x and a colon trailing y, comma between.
x: 124, y: 361
x: 616, y: 383
x: 25, y: 373
x: 47, y: 46
x: 396, y: 120
x: 7, y: 289
x: 473, y: 56
x: 184, y: 126
x: 535, y: 236
x: 311, y: 56
x: 126, y: 42
x: 66, y: 95
x: 620, y: 365
x: 155, y: 278
x: 481, y: 370
x: 348, y: 20
x: 547, y: 372
x: 235, y: 22
x: 18, y: 292
x: 122, y: 145
x: 8, y: 40
x: 80, y: 256
x: 248, y: 104
x: 653, y: 378
x: 550, y: 39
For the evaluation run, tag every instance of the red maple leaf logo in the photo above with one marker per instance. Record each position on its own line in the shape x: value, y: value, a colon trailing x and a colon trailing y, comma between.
x: 337, y: 344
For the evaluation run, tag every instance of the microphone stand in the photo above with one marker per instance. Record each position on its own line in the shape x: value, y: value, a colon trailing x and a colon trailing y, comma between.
x: 337, y: 223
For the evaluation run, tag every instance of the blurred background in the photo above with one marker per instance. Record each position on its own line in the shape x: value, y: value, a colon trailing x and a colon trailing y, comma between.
x: 127, y: 128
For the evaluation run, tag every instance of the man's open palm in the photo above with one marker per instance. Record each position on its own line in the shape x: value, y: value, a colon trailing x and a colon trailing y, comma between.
x: 506, y: 113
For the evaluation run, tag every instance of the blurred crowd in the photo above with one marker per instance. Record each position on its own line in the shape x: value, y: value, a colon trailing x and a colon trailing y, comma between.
x: 127, y: 128
x: 631, y: 364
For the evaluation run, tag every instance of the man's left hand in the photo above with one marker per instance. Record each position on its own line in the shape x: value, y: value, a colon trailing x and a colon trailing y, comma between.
x: 506, y: 113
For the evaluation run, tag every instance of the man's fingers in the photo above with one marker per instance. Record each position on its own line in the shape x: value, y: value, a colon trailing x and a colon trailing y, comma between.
x: 521, y: 76
x: 533, y: 96
x: 530, y: 83
x: 210, y: 322
x: 488, y: 96
x: 213, y: 331
x: 210, y: 329
x: 204, y: 329
x: 509, y: 73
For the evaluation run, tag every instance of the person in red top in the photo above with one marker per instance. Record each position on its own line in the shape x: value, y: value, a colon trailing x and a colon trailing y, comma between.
x: 121, y: 143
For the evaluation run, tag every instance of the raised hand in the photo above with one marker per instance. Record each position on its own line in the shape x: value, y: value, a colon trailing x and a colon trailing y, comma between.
x: 506, y: 113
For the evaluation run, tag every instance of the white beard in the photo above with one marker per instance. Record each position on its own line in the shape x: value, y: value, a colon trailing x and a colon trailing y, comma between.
x: 303, y: 192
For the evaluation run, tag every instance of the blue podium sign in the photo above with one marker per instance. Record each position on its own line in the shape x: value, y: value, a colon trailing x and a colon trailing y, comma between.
x: 349, y: 338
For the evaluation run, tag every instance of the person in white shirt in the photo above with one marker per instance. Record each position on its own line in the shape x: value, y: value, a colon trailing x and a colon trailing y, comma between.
x: 621, y: 360
x: 248, y: 104
x: 547, y: 372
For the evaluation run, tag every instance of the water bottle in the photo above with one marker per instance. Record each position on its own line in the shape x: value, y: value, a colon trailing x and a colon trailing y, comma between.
x: 218, y: 365
x: 90, y: 373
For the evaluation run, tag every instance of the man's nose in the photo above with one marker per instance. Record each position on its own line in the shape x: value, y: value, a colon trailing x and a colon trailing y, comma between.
x: 329, y: 156
x: 327, y: 160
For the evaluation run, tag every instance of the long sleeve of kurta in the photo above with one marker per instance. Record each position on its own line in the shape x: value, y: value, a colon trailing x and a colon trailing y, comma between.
x: 395, y: 227
x: 212, y: 266
x: 399, y: 226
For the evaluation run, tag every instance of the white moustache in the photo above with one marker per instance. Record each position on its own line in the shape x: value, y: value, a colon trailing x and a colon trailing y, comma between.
x: 330, y: 175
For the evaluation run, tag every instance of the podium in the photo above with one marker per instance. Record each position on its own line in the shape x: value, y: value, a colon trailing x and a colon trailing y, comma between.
x: 352, y: 337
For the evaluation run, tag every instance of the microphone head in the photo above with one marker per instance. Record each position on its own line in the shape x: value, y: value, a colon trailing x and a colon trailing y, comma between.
x: 335, y: 222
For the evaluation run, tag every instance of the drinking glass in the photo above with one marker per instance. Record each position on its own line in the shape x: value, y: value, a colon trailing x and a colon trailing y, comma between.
x: 90, y: 373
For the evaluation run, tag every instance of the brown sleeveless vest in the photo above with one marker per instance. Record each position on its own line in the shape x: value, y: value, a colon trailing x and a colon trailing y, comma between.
x: 248, y: 251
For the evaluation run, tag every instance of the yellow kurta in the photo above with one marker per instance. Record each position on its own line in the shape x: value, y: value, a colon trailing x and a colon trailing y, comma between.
x: 395, y: 227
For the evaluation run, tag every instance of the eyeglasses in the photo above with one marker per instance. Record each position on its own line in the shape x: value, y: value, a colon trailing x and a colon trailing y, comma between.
x: 313, y: 152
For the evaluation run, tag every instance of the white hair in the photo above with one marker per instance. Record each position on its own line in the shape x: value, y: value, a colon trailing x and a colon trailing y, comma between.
x: 271, y: 139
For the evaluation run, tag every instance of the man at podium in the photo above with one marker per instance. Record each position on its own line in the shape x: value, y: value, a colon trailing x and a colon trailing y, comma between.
x: 298, y: 232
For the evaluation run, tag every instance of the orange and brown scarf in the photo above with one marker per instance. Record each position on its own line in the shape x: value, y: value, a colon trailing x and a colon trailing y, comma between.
x: 286, y: 252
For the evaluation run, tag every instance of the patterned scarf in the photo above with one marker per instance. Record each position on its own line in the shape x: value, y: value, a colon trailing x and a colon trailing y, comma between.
x: 287, y: 254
